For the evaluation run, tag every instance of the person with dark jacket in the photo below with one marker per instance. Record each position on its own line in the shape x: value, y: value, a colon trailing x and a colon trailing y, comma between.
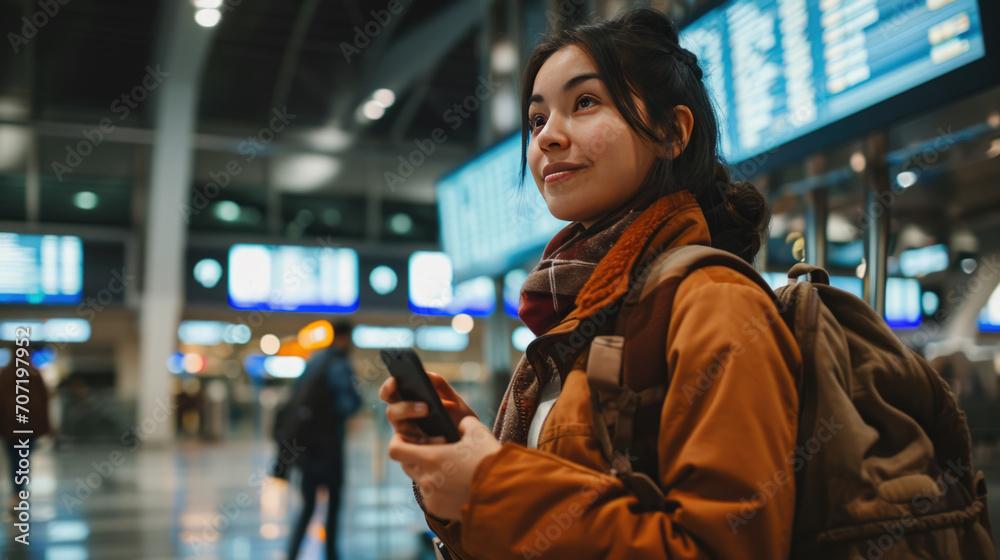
x: 312, y: 424
x: 20, y: 378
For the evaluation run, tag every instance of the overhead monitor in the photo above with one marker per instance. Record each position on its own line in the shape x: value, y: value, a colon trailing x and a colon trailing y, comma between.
x: 923, y: 261
x: 40, y: 269
x: 780, y: 69
x: 285, y: 278
x: 903, y: 305
x: 989, y: 317
x: 488, y: 223
x: 433, y: 290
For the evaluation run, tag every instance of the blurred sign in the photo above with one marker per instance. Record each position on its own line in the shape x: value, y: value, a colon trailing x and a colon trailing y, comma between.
x: 282, y: 278
x: 433, y: 292
x: 925, y: 260
x: 367, y: 336
x: 488, y: 224
x: 53, y: 330
x: 989, y: 318
x: 40, y: 269
x: 903, y: 306
x: 441, y: 339
x: 778, y: 69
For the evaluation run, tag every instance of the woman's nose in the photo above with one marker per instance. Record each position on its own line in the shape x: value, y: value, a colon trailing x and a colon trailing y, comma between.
x: 553, y: 134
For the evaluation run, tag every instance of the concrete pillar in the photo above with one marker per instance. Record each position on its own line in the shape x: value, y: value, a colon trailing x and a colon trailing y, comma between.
x: 181, y: 52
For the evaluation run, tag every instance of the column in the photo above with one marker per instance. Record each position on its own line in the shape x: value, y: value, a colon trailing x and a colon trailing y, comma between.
x: 180, y: 54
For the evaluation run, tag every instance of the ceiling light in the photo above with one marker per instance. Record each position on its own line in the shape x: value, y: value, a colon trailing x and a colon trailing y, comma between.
x: 462, y: 323
x: 13, y: 140
x: 994, y: 149
x: 269, y: 344
x: 858, y: 162
x: 384, y: 97
x: 227, y: 211
x: 208, y: 272
x: 328, y: 139
x: 207, y: 4
x: 373, y: 110
x: 208, y: 17
x: 85, y: 200
x: 401, y: 224
x: 305, y: 172
x: 503, y: 58
x: 383, y: 280
x: 906, y: 179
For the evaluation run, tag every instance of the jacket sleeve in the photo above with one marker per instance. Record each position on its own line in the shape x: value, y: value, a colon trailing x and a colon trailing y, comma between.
x: 727, y: 434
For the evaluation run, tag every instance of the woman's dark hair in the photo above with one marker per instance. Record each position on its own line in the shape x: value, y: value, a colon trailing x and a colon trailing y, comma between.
x: 639, y: 53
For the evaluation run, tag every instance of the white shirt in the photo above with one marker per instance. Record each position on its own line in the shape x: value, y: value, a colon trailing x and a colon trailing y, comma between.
x: 548, y: 398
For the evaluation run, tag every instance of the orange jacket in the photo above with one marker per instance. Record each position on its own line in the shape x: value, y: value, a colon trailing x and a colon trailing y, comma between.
x: 726, y: 431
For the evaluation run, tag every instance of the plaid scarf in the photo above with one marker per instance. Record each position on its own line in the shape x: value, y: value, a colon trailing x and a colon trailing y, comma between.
x: 548, y: 295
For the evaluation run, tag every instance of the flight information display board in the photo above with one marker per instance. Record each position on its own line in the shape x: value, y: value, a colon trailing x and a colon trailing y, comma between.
x: 42, y: 269
x: 285, y: 278
x: 779, y: 69
x: 488, y: 224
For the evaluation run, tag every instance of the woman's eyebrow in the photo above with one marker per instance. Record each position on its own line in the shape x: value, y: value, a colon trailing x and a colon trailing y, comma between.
x: 570, y: 84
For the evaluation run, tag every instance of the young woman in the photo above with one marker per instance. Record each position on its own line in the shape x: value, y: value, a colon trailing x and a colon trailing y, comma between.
x: 621, y: 140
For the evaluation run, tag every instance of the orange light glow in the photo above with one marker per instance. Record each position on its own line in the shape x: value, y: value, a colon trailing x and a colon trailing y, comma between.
x: 291, y: 347
x: 316, y: 335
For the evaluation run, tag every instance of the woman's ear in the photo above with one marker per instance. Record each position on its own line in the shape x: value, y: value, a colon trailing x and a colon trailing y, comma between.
x: 685, y: 124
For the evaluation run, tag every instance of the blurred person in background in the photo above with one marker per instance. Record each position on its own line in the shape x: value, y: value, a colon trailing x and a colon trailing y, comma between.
x: 310, y: 430
x: 33, y: 416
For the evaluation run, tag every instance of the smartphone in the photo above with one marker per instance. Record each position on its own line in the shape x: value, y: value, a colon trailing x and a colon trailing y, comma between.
x: 413, y: 384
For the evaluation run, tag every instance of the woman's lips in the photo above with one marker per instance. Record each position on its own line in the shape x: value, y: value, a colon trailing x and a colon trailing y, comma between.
x: 561, y: 176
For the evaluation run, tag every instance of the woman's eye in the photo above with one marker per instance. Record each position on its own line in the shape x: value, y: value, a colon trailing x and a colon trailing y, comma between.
x: 536, y: 122
x: 585, y: 102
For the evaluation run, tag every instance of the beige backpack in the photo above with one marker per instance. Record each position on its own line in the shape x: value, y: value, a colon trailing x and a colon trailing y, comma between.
x: 895, y: 483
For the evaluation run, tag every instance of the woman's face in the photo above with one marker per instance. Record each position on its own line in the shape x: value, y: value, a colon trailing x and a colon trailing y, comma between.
x: 585, y: 158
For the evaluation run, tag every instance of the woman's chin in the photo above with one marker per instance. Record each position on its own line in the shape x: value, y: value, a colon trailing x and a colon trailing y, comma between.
x: 568, y: 215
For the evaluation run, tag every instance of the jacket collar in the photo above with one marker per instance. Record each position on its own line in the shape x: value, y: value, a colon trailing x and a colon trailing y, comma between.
x: 672, y: 221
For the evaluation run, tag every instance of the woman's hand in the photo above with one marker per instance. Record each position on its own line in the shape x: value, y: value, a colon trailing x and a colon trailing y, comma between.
x: 401, y: 413
x: 443, y: 472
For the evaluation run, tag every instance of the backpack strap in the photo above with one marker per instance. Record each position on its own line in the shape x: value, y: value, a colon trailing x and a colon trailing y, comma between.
x: 614, y: 403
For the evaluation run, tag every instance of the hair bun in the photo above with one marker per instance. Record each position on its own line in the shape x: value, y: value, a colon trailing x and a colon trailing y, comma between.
x: 738, y: 216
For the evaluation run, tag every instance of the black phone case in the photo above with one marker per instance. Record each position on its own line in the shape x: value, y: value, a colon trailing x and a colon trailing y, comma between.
x: 414, y: 385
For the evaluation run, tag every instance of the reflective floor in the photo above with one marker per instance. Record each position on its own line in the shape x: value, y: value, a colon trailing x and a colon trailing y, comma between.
x: 196, y: 500
x: 203, y: 501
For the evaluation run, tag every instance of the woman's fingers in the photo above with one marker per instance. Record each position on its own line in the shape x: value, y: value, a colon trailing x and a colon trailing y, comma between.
x: 387, y: 392
x: 405, y: 410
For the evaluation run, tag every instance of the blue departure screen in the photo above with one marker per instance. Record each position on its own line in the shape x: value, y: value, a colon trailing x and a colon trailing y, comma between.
x: 778, y: 69
x: 488, y: 225
x: 44, y: 269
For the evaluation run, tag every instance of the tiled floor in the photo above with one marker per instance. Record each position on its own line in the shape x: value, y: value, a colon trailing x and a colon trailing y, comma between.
x: 203, y: 501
